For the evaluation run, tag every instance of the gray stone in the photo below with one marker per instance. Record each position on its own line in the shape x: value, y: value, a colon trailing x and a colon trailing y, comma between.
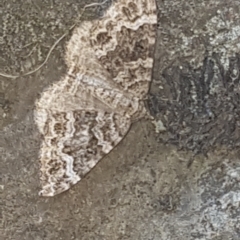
x: 182, y: 183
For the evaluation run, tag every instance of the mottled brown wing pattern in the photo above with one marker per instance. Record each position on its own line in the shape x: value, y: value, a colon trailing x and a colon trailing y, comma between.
x: 89, y: 111
x: 74, y: 143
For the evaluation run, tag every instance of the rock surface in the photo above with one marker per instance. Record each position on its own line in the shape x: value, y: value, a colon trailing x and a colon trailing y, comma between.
x: 179, y: 183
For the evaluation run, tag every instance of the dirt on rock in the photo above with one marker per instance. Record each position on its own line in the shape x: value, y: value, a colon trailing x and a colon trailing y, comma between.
x: 145, y: 188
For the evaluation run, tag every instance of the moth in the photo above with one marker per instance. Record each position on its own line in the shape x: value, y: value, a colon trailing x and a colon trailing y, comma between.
x: 83, y: 116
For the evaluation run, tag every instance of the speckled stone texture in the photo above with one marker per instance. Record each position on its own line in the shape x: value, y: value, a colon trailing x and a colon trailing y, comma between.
x: 180, y: 183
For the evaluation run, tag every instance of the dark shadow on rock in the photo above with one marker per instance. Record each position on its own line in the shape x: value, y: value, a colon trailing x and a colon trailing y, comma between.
x: 200, y: 107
